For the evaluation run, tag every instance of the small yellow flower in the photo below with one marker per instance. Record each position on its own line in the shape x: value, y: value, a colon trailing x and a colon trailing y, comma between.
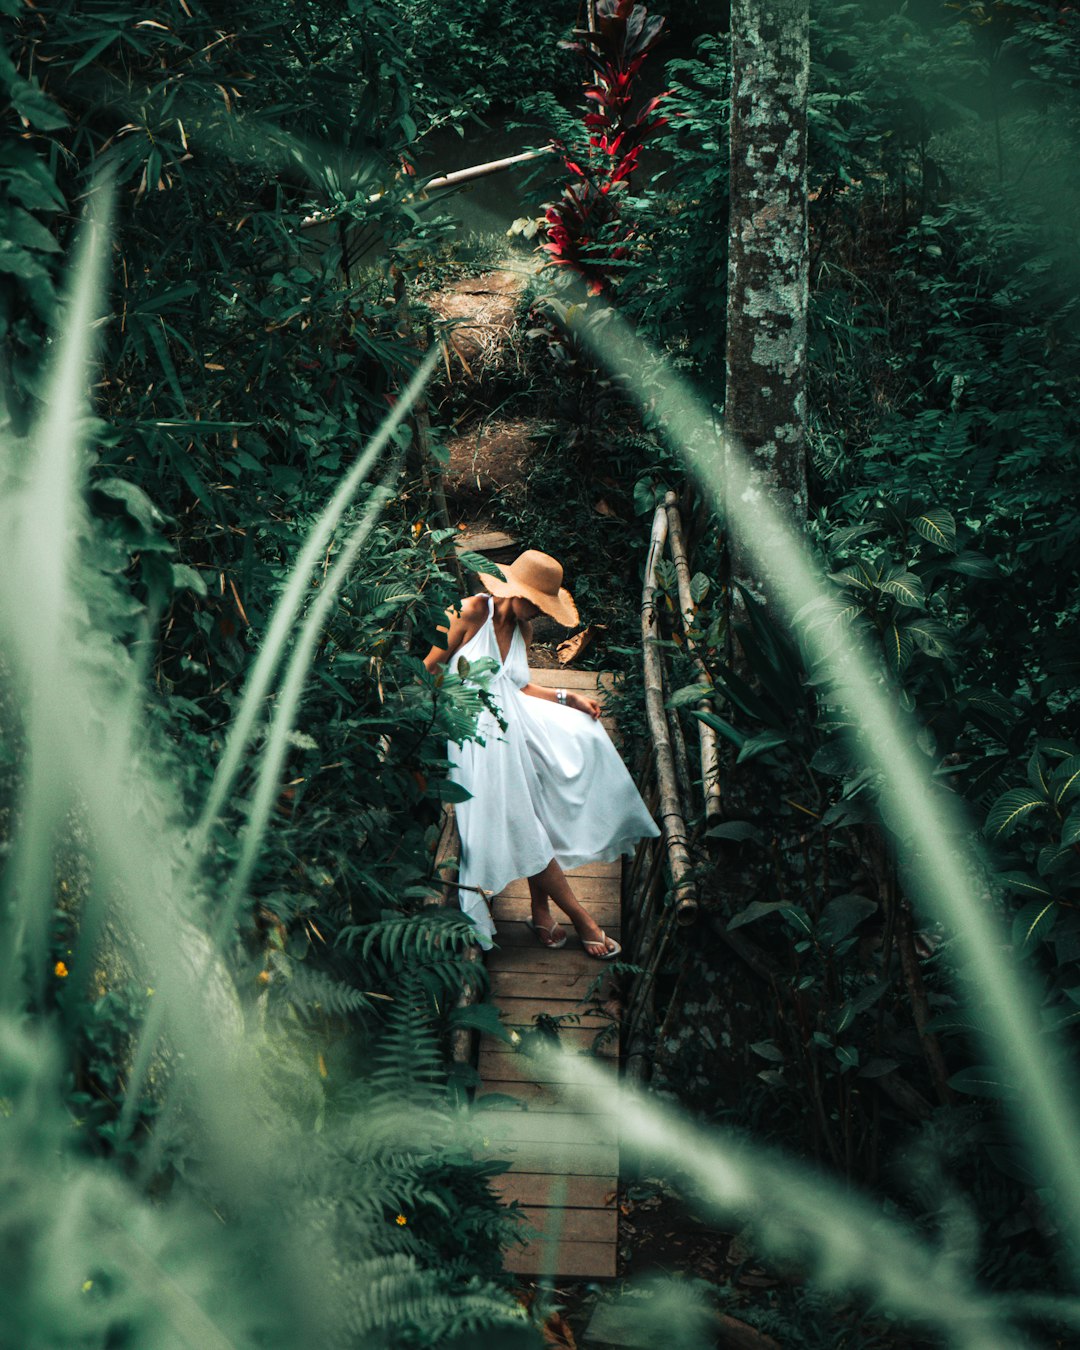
x: 87, y: 1286
x: 263, y: 977
x: 60, y: 971
x: 401, y: 1221
x: 149, y: 991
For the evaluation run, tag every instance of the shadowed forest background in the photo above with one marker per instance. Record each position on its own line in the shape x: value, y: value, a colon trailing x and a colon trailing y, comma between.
x: 229, y: 1115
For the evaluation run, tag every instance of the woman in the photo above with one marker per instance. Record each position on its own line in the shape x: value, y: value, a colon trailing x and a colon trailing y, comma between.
x: 550, y: 793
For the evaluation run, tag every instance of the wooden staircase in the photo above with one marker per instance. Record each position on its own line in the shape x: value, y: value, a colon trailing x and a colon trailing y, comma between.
x: 564, y: 1162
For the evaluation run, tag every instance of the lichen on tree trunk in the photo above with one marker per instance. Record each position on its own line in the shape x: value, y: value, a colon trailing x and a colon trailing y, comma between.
x: 765, y: 401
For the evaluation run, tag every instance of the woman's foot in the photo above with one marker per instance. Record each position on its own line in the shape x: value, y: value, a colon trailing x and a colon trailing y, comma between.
x: 597, y: 944
x: 546, y: 929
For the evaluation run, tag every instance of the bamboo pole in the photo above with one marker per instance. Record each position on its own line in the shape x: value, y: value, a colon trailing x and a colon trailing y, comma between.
x: 671, y: 816
x: 446, y: 180
x: 469, y: 175
x: 710, y: 756
x: 462, y: 1039
x: 646, y: 904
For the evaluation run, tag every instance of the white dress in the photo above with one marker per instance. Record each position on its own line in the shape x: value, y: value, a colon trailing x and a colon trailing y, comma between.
x: 551, y: 786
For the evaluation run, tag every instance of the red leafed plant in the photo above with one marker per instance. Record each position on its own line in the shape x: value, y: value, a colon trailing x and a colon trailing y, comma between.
x: 586, y: 228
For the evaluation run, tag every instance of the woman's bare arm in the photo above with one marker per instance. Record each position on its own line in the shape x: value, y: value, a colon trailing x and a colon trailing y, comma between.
x: 573, y: 699
x: 460, y: 626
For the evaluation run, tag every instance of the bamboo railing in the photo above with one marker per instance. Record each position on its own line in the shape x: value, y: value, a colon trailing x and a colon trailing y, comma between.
x: 659, y: 887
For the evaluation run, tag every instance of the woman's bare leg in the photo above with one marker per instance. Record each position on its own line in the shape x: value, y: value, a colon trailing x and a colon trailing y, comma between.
x: 542, y: 916
x: 551, y: 884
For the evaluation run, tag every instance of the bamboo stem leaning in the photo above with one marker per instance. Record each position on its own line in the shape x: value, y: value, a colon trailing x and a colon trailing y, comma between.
x: 672, y: 821
x: 710, y: 755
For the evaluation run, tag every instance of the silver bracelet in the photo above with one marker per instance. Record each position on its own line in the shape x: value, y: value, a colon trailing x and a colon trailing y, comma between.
x: 560, y: 695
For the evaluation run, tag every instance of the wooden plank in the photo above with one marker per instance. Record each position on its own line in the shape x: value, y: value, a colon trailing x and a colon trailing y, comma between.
x: 560, y: 1130
x: 522, y: 1069
x: 555, y: 984
x: 486, y: 541
x: 541, y: 1155
x: 513, y: 933
x: 541, y: 1097
x: 535, y: 959
x: 574, y: 1225
x: 571, y: 1260
x: 576, y: 1039
x: 586, y: 889
x: 597, y: 869
x: 540, y: 1188
x: 573, y: 679
x: 605, y: 909
x: 521, y: 1012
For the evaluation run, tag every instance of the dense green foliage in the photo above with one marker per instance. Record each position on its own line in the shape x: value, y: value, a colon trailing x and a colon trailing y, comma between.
x: 943, y: 431
x: 246, y: 358
x: 249, y: 353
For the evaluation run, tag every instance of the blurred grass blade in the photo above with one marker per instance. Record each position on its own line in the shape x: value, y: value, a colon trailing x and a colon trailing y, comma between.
x: 277, y: 638
x: 268, y: 785
x: 42, y: 522
x: 841, y: 1239
x: 258, y: 684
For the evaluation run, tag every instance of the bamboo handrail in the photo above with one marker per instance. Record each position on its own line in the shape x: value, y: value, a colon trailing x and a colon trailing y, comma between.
x: 710, y: 756
x: 672, y: 822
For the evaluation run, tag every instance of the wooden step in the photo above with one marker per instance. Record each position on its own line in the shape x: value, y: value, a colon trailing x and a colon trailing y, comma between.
x: 556, y: 985
x: 532, y: 1097
x: 541, y: 1155
x: 559, y: 1129
x: 531, y: 957
x: 513, y: 933
x: 569, y: 1261
x: 522, y: 1012
x: 484, y: 541
x: 585, y: 888
x: 543, y: 1189
x: 582, y: 680
x: 523, y: 1069
x: 597, y: 869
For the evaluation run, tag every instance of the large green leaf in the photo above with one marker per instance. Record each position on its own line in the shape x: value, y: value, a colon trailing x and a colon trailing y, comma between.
x: 689, y: 693
x: 937, y: 526
x: 476, y: 562
x: 841, y: 916
x: 1070, y: 831
x: 718, y: 724
x: 1065, y: 781
x: 760, y: 745
x: 930, y: 636
x: 1036, y: 775
x: 757, y: 909
x: 1023, y: 884
x: 898, y: 645
x: 906, y: 588
x: 739, y: 830
x: 1010, y: 809
x: 1032, y: 924
x: 981, y: 1080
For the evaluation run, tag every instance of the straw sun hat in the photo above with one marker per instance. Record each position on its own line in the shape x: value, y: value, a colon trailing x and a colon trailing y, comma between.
x: 537, y: 577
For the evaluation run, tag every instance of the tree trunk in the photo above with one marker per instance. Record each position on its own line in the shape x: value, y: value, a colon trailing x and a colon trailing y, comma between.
x: 768, y: 259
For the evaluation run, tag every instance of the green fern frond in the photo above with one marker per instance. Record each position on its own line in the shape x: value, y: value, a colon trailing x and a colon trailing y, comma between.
x: 312, y: 988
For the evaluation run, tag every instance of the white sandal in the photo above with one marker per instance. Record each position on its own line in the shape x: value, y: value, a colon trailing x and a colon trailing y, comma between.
x: 602, y: 941
x: 539, y: 928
